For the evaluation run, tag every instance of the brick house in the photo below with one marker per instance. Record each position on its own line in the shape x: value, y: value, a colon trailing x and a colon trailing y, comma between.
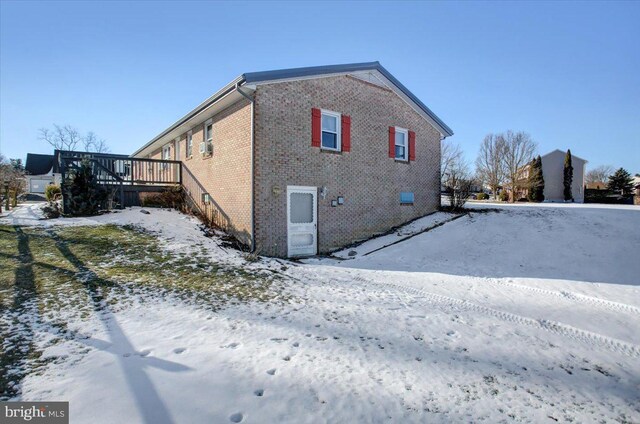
x: 303, y: 161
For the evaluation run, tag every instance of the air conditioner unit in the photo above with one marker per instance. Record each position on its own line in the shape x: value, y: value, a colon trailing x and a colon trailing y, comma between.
x: 206, y: 148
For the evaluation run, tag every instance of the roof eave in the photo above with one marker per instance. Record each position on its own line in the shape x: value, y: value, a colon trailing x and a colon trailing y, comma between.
x: 205, y: 104
x: 258, y: 77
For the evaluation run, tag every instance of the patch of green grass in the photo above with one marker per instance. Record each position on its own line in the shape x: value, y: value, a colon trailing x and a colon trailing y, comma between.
x: 81, y: 270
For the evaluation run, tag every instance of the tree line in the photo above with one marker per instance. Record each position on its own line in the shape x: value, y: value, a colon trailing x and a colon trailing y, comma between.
x: 500, y: 163
x: 507, y: 164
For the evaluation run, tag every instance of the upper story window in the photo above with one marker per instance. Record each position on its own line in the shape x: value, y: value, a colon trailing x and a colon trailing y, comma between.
x: 401, y: 144
x: 189, y: 144
x: 208, y: 132
x: 206, y: 146
x: 166, y: 155
x: 331, y: 130
x: 166, y: 152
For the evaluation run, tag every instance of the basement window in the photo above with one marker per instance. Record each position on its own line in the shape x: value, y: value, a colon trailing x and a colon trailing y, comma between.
x: 406, y: 198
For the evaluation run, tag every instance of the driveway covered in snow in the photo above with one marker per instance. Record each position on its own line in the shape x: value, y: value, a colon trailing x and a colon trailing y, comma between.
x: 528, y: 314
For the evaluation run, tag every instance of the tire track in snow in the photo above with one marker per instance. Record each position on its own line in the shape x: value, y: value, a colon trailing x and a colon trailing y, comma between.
x: 449, y: 303
x: 581, y: 298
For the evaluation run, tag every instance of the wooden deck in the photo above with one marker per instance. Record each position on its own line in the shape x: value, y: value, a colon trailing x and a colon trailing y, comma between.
x: 129, y: 177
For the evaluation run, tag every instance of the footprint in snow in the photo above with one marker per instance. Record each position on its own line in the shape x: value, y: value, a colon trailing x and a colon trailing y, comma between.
x: 259, y: 392
x: 296, y: 344
x: 272, y: 371
x: 236, y: 418
x: 179, y: 350
x: 232, y: 345
x: 453, y: 334
x: 143, y: 353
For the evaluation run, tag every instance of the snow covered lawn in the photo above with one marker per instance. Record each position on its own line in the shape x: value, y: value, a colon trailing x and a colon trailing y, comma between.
x: 405, y: 232
x: 528, y: 314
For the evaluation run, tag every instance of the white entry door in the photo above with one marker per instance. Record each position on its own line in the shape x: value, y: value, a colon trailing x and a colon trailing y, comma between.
x: 302, y: 221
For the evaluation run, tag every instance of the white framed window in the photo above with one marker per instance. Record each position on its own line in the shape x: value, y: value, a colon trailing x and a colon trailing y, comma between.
x: 189, y: 144
x: 166, y: 152
x: 176, y: 143
x: 331, y: 131
x: 402, y: 144
x: 208, y: 134
x: 166, y: 155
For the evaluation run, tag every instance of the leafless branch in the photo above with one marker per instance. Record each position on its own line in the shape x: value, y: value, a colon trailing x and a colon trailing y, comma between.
x: 489, y: 164
x: 519, y: 149
x: 450, y: 154
x: 68, y: 138
x: 599, y: 174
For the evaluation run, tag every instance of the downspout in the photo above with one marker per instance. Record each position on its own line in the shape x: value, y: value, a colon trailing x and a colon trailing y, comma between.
x: 253, y: 202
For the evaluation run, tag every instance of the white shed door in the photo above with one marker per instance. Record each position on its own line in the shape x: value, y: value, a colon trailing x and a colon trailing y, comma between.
x: 38, y: 186
x: 302, y: 221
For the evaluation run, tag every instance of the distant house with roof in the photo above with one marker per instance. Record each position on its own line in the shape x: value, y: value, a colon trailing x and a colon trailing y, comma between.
x: 597, y: 185
x: 39, y: 172
x: 553, y: 173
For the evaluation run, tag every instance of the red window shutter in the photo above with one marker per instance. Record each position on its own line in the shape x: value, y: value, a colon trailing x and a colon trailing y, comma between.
x: 392, y: 142
x: 316, y: 132
x: 346, y: 133
x: 412, y: 145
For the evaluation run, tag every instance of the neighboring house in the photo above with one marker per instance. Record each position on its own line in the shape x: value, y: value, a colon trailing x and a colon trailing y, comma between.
x: 597, y: 185
x: 553, y: 174
x: 39, y: 173
x: 636, y: 185
x: 300, y: 161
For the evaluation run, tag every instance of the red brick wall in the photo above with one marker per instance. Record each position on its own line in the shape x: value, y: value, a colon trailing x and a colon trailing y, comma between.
x: 225, y: 174
x: 368, y: 179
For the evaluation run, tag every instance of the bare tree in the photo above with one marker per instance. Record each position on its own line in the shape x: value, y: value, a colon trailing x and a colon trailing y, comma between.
x: 458, y: 182
x: 4, y: 176
x: 12, y: 180
x: 489, y: 164
x: 450, y: 154
x: 69, y: 138
x: 519, y: 149
x: 599, y: 174
x: 94, y: 144
x: 61, y: 138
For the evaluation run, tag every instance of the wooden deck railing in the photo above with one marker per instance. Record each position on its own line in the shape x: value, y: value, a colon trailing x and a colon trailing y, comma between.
x: 122, y: 169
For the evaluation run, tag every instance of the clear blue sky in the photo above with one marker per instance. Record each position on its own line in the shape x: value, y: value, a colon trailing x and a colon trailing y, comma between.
x: 568, y: 73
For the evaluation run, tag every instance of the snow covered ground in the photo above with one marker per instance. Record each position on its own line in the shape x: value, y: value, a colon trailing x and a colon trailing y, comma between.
x: 403, y: 233
x: 527, y: 314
